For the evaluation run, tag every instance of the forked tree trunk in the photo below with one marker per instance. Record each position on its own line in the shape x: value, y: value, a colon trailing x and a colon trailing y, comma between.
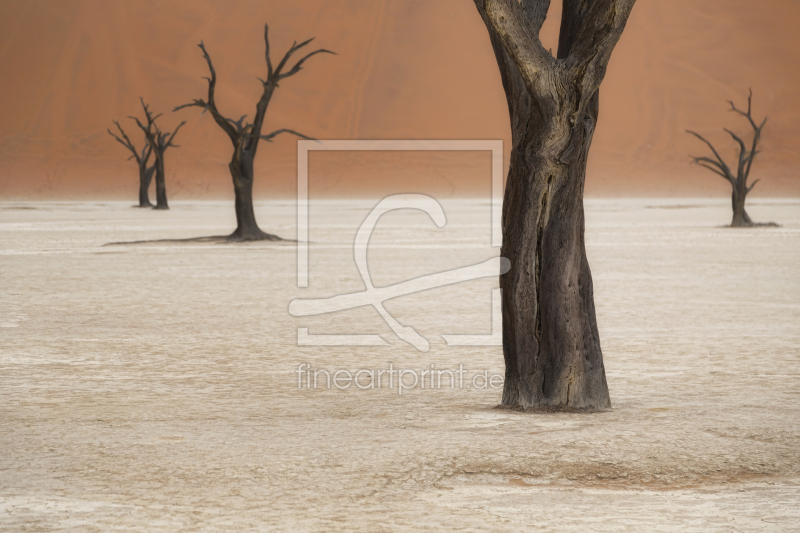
x: 145, y: 178
x: 161, y: 186
x: 551, y: 344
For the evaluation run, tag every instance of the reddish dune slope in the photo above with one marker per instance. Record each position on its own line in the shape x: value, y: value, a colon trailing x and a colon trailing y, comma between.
x: 405, y: 69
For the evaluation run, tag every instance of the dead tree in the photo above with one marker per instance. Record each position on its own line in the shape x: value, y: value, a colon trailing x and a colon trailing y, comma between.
x: 739, y: 181
x: 142, y: 158
x: 551, y: 344
x: 158, y: 142
x: 245, y: 135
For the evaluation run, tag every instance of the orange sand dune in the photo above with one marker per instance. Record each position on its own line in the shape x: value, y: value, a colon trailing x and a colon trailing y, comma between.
x: 405, y: 69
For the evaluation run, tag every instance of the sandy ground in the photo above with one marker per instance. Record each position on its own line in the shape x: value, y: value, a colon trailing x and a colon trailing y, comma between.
x: 153, y: 387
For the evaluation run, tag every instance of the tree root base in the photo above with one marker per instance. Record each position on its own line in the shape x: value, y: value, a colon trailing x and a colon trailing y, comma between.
x: 256, y: 235
x: 754, y: 225
x: 549, y: 409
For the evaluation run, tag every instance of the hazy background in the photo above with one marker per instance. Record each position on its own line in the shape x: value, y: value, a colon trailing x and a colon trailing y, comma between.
x: 406, y: 69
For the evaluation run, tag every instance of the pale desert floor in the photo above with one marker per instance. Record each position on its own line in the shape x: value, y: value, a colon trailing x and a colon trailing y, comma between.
x: 152, y: 387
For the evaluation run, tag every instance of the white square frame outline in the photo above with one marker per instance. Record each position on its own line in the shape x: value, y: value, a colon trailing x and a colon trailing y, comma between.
x: 305, y: 146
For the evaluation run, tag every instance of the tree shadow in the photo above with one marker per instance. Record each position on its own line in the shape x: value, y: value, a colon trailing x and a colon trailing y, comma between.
x: 216, y: 239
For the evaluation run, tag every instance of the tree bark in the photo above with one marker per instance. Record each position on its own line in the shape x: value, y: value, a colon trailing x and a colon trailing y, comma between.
x: 740, y: 217
x: 145, y: 178
x: 241, y: 167
x: 551, y: 344
x: 161, y: 185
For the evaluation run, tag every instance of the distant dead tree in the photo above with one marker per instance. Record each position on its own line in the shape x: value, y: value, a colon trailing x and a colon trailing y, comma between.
x: 245, y: 135
x: 142, y: 158
x: 159, y: 142
x: 739, y: 180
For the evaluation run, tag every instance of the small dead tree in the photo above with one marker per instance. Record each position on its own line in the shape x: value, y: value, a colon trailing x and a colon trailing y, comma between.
x: 158, y: 142
x: 245, y: 135
x: 142, y: 157
x: 551, y: 343
x: 739, y: 180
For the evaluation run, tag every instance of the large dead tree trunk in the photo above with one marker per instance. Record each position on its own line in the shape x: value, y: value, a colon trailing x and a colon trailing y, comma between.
x: 738, y: 181
x: 159, y: 142
x: 245, y: 136
x: 142, y: 158
x: 551, y: 344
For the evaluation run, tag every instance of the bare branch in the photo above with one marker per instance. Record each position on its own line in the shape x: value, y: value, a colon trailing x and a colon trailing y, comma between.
x: 737, y: 139
x: 144, y: 128
x: 750, y: 188
x: 749, y: 100
x: 126, y: 143
x: 757, y: 129
x: 708, y: 161
x: 295, y: 47
x: 269, y: 61
x: 150, y: 118
x: 298, y: 66
x: 716, y: 154
x: 748, y: 115
x: 753, y: 151
x: 742, y: 151
x: 274, y: 134
x: 168, y: 139
x: 507, y: 20
x: 745, y: 157
x: 147, y: 150
x: 195, y: 103
x: 211, y: 105
x: 599, y: 26
x: 240, y: 127
x: 712, y: 169
x: 710, y: 165
x: 244, y: 135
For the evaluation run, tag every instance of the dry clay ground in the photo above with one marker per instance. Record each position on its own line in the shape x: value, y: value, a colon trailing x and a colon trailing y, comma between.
x: 152, y: 387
